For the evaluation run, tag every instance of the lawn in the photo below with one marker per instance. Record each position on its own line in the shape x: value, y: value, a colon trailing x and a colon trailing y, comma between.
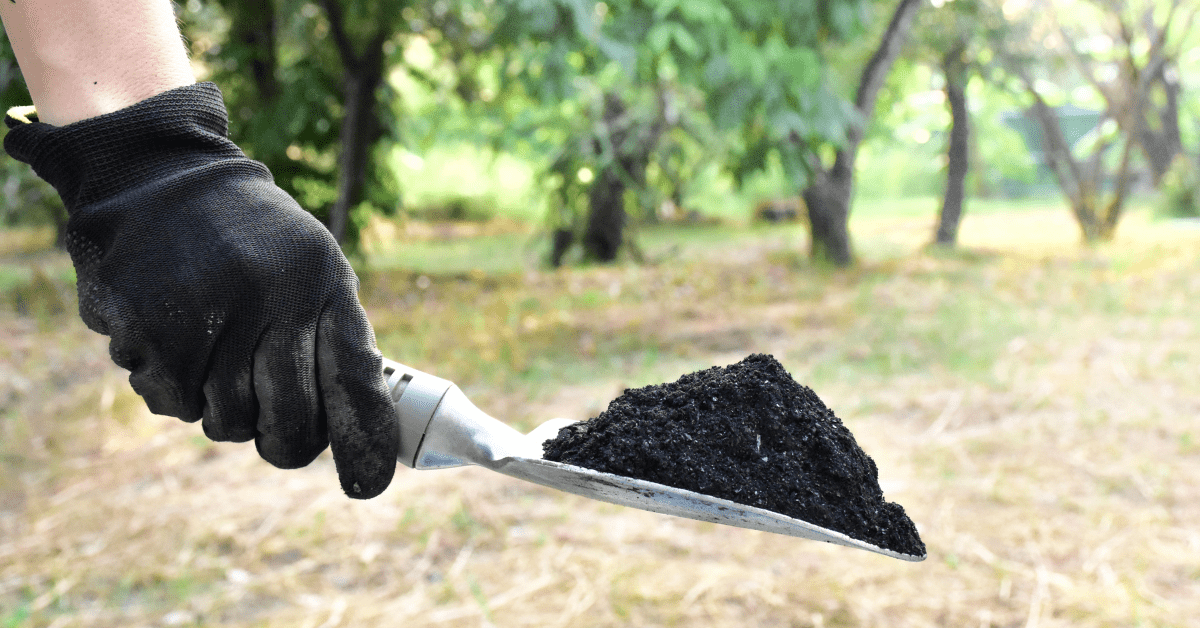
x: 1031, y: 403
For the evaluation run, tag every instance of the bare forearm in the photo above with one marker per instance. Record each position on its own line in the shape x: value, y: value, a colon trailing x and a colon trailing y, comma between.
x: 84, y: 58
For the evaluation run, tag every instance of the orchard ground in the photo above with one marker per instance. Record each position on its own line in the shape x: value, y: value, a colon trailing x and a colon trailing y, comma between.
x: 1030, y: 402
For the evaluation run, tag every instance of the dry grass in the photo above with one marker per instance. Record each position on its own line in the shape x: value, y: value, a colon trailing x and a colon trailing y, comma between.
x: 1032, y: 405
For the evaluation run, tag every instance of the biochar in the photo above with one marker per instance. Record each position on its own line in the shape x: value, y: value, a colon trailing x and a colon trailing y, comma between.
x: 748, y: 433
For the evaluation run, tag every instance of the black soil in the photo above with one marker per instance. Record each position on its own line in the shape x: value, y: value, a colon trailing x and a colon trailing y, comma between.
x: 750, y: 434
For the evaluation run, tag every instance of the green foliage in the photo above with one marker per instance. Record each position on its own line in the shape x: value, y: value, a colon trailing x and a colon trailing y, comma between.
x: 283, y: 67
x: 13, y: 91
x: 739, y: 82
x: 279, y: 87
x: 1181, y: 189
x: 27, y: 200
x: 764, y: 78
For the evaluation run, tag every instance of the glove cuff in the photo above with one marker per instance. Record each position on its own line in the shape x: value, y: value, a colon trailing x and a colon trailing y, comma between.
x: 94, y: 159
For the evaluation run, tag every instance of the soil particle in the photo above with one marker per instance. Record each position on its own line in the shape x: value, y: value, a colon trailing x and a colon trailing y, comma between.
x: 750, y: 434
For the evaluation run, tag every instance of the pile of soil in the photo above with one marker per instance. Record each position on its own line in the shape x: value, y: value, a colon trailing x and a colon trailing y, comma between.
x: 750, y: 434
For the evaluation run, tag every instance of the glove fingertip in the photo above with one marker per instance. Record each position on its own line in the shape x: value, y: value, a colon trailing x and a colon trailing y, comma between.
x: 368, y: 484
x: 363, y: 429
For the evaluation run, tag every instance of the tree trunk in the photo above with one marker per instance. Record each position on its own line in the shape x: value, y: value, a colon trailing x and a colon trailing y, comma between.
x: 1083, y: 183
x: 958, y: 154
x: 1116, y: 204
x: 560, y: 242
x: 360, y: 130
x: 252, y: 24
x: 606, y: 216
x: 828, y: 195
x: 361, y: 126
x: 1161, y: 141
x: 828, y: 201
x: 602, y: 237
x: 630, y: 145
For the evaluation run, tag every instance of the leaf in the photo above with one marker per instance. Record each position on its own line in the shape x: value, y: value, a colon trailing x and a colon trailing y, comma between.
x: 752, y: 160
x: 786, y: 122
x: 844, y: 17
x: 707, y: 12
x: 718, y: 70
x: 732, y: 108
x: 684, y: 40
x: 585, y: 22
x: 659, y: 37
x: 624, y: 54
x: 795, y: 166
x: 802, y: 66
x: 748, y: 61
x: 665, y: 8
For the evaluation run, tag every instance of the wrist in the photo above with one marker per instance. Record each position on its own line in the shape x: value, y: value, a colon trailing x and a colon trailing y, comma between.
x: 85, y: 58
x: 69, y: 101
x: 100, y: 157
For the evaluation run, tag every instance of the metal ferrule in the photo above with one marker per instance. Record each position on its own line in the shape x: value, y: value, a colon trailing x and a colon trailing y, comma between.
x: 417, y: 396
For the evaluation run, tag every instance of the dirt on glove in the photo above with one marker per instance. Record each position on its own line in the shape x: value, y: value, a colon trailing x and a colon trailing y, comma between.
x: 748, y: 433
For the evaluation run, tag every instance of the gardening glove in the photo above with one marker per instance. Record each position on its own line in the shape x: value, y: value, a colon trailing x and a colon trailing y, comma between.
x: 225, y: 300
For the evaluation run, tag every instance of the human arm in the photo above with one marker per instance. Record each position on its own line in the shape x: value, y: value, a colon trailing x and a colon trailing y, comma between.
x: 83, y: 58
x: 227, y: 302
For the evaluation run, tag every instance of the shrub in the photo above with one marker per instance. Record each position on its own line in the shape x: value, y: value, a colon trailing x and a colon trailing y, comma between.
x: 1181, y: 189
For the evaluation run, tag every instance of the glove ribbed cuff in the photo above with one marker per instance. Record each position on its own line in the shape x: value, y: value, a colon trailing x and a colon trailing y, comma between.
x: 94, y: 159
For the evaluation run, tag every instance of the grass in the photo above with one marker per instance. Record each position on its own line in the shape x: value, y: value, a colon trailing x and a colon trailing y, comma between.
x: 503, y: 186
x: 1028, y: 400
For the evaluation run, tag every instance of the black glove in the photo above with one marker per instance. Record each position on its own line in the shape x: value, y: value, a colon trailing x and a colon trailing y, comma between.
x: 226, y: 300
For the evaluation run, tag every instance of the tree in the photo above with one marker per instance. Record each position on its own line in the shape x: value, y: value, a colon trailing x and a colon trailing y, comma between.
x: 1095, y: 175
x: 954, y: 38
x: 363, y: 68
x: 1084, y: 180
x: 605, y: 77
x: 830, y: 189
x: 755, y: 65
x: 1137, y: 73
x: 305, y: 86
x: 955, y: 71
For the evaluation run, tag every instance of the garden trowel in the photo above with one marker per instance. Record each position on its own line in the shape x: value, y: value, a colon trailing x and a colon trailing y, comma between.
x: 441, y: 428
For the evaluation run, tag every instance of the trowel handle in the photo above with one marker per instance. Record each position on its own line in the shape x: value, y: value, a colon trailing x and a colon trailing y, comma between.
x: 441, y: 428
x: 417, y: 395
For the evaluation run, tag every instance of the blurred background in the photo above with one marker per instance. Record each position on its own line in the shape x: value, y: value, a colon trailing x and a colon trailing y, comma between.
x: 971, y: 226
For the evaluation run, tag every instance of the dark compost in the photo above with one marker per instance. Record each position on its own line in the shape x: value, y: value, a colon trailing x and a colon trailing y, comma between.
x: 748, y: 433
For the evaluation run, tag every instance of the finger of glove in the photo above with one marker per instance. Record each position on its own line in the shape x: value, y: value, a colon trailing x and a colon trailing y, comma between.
x: 363, y: 428
x: 169, y: 387
x: 230, y: 407
x: 291, y: 420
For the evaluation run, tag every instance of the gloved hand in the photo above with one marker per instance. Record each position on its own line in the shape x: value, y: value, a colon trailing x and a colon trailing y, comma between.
x: 227, y: 301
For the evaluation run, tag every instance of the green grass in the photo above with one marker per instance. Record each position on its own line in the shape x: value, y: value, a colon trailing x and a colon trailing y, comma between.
x: 498, y: 185
x: 12, y: 276
x: 490, y: 254
x: 952, y: 333
x: 929, y: 206
x: 513, y: 252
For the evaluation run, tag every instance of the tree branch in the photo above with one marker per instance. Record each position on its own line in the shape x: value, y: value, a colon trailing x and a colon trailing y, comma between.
x: 877, y: 67
x: 1058, y: 155
x: 1112, y: 212
x: 337, y: 27
x: 871, y: 81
